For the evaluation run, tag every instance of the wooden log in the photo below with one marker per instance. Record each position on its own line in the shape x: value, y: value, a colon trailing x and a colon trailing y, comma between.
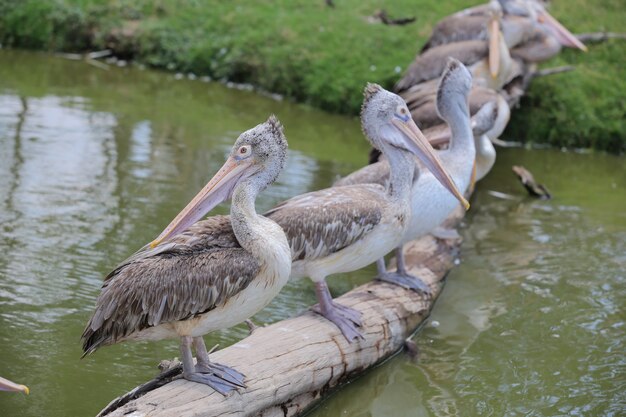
x: 290, y: 365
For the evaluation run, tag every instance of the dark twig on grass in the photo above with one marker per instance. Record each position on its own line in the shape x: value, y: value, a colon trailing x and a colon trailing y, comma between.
x: 382, y: 17
x: 554, y: 70
x: 597, y: 37
x: 528, y: 181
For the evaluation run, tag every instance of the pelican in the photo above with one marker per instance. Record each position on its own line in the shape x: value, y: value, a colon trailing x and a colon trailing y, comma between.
x: 429, y: 201
x: 488, y: 60
x: 193, y: 280
x: 343, y: 229
x: 6, y: 385
x: 487, y: 123
x: 485, y: 129
x: 527, y: 28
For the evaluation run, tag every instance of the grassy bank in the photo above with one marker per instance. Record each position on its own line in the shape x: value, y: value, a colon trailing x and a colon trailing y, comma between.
x: 323, y: 56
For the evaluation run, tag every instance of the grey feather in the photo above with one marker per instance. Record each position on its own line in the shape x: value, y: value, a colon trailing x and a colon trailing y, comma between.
x: 323, y: 222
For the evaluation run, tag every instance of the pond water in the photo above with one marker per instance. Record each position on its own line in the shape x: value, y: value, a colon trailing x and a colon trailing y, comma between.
x: 94, y: 163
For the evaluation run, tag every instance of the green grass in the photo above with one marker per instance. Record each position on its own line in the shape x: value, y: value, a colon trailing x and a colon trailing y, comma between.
x: 323, y: 56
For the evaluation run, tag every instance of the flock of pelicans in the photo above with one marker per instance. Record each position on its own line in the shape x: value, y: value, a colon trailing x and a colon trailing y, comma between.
x: 199, y: 276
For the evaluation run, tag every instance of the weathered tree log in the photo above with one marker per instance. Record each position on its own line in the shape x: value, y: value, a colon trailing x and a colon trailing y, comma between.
x: 290, y: 365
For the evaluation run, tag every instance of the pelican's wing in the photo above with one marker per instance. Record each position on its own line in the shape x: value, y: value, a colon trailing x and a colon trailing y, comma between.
x: 323, y: 222
x: 188, y: 275
x: 456, y: 29
x: 431, y: 63
x: 376, y: 173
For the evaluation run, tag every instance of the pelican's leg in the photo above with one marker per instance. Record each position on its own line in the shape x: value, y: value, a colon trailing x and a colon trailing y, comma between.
x: 401, y: 276
x: 381, y: 266
x: 251, y: 326
x: 205, y: 366
x: 346, y: 318
x: 221, y: 378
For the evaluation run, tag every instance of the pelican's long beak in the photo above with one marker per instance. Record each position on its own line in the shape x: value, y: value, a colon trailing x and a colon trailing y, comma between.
x: 6, y: 385
x: 494, y: 47
x: 216, y: 191
x: 564, y: 36
x: 417, y: 143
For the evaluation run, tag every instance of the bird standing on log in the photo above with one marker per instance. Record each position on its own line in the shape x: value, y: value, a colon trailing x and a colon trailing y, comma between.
x: 431, y: 203
x: 527, y: 28
x: 488, y: 59
x: 343, y: 229
x: 193, y: 280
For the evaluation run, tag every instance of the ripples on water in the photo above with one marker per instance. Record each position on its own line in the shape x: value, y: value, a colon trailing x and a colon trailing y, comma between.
x: 94, y: 164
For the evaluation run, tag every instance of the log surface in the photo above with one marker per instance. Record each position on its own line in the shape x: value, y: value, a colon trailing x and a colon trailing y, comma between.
x: 291, y: 364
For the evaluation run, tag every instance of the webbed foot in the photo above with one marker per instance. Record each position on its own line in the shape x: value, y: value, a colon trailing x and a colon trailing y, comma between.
x: 221, y: 378
x: 407, y: 281
x: 347, y: 319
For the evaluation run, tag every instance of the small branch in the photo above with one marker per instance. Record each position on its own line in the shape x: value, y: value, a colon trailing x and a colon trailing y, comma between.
x: 97, y: 64
x: 506, y: 143
x: 554, y: 70
x: 597, y: 37
x: 73, y: 57
x: 99, y: 54
x: 90, y: 58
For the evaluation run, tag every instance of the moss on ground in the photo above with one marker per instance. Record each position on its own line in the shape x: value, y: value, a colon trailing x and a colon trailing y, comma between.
x: 323, y: 56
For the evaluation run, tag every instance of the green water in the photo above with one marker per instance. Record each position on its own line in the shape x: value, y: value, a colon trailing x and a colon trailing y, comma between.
x: 95, y: 163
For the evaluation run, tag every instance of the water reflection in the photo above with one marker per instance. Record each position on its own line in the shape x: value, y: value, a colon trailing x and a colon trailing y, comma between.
x: 531, y: 322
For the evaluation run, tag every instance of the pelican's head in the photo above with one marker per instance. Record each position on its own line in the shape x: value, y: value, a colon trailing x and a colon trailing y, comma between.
x: 263, y: 150
x: 387, y: 123
x: 453, y: 90
x: 255, y: 160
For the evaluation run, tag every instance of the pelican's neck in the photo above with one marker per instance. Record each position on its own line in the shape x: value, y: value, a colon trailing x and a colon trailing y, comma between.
x: 401, y: 169
x: 485, y: 156
x: 244, y: 217
x: 459, y: 158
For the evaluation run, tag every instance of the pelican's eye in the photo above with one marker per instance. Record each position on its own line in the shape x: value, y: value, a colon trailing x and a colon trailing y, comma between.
x: 402, y: 113
x: 243, y: 152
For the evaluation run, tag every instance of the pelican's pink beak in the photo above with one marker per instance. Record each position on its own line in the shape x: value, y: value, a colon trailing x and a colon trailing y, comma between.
x: 6, y: 385
x: 564, y: 36
x: 494, y: 46
x: 417, y: 143
x: 217, y: 190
